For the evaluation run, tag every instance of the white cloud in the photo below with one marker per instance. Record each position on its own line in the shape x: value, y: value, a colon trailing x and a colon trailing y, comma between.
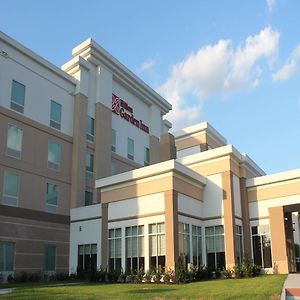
x: 271, y: 4
x: 288, y: 70
x: 148, y: 64
x: 220, y: 69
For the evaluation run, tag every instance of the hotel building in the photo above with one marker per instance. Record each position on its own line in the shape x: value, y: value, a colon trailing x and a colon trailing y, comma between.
x: 90, y: 176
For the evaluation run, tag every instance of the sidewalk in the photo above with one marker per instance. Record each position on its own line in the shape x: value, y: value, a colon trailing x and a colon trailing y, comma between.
x: 291, y: 287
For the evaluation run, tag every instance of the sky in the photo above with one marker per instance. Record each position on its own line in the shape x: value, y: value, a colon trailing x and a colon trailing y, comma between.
x: 235, y: 64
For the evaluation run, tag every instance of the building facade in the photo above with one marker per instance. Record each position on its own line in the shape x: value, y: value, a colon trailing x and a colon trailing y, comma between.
x: 211, y: 206
x: 58, y: 134
x: 90, y: 176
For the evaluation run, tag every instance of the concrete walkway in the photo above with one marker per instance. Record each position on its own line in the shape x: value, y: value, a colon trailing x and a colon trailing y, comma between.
x: 291, y: 287
x: 6, y: 291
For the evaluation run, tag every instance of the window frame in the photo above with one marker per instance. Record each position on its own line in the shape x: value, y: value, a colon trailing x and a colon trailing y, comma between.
x: 90, y: 135
x: 5, y: 262
x: 55, y: 259
x: 10, y: 151
x: 113, y: 140
x: 15, y: 105
x: 54, y: 123
x: 130, y: 155
x: 85, y: 198
x: 50, y: 164
x: 8, y: 199
x: 146, y: 156
x: 49, y: 207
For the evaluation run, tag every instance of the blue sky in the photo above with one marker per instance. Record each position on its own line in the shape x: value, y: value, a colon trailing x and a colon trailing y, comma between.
x: 235, y: 64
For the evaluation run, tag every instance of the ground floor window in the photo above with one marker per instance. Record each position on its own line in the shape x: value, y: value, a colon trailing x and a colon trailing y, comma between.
x: 134, y: 241
x: 49, y: 258
x: 7, y: 254
x: 239, y: 243
x: 184, y: 242
x: 157, y: 246
x: 215, y: 248
x: 115, y: 249
x: 261, y: 246
x: 197, y: 245
x: 87, y: 257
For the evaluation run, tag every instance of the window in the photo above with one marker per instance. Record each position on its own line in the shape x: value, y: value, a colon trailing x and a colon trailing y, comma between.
x: 11, y: 184
x: 113, y: 140
x: 115, y: 250
x: 197, y: 245
x: 89, y: 162
x: 54, y: 153
x: 215, y: 248
x: 130, y: 148
x: 157, y: 246
x: 113, y: 168
x: 49, y: 258
x: 134, y: 241
x: 87, y: 257
x: 184, y: 242
x: 55, y: 115
x: 7, y: 254
x: 88, y: 199
x: 51, y: 197
x: 239, y: 243
x: 146, y: 156
x: 90, y: 129
x: 17, y: 96
x: 14, y: 141
x: 261, y: 245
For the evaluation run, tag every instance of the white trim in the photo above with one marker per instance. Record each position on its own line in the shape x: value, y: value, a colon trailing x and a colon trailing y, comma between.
x: 273, y: 178
x: 156, y: 169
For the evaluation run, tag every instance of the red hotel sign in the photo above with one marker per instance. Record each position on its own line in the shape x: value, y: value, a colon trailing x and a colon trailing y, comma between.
x: 122, y: 109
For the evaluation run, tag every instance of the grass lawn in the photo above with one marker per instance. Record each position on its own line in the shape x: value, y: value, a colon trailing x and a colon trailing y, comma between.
x: 263, y: 287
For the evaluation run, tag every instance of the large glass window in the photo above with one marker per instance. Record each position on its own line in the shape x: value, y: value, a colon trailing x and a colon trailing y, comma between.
x: 55, y: 115
x: 88, y: 199
x: 113, y: 140
x: 184, y: 242
x: 11, y: 184
x: 115, y: 250
x: 215, y: 248
x: 7, y: 254
x: 130, y: 148
x: 54, y: 154
x: 134, y: 240
x: 90, y: 128
x: 197, y: 245
x: 239, y: 243
x: 146, y: 156
x: 261, y: 245
x: 17, y: 96
x: 14, y: 141
x: 87, y: 257
x: 157, y: 246
x: 51, y: 197
x: 49, y: 258
x: 89, y: 162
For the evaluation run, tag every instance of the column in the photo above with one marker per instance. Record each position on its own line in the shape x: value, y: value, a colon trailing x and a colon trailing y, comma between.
x: 78, y: 151
x: 229, y: 219
x: 278, y: 240
x: 171, y: 228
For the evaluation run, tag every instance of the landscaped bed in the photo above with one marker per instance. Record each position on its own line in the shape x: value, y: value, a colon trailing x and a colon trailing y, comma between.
x: 262, y: 287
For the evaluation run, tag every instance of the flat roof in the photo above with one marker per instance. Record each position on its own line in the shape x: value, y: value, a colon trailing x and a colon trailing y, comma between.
x: 273, y: 178
x: 152, y: 170
x: 204, y: 126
